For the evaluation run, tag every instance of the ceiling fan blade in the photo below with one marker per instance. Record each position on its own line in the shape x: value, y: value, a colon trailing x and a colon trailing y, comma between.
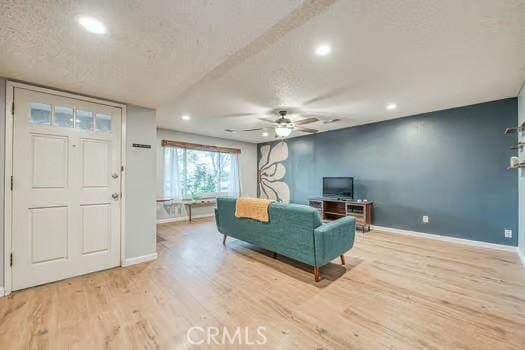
x: 338, y: 92
x: 330, y: 121
x: 326, y: 96
x: 307, y: 121
x: 234, y: 131
x: 267, y: 120
x: 308, y: 130
x: 237, y: 115
x: 325, y: 118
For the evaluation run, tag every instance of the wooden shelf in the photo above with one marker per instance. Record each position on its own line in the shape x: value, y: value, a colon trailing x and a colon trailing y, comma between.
x: 520, y: 128
x: 334, y: 213
x: 332, y: 209
x: 518, y: 146
x: 513, y: 130
x: 521, y: 165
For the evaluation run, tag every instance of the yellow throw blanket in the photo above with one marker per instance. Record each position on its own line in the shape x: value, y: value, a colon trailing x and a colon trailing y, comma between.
x: 253, y: 208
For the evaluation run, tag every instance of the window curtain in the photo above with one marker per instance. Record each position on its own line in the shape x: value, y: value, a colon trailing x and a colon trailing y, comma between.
x: 171, y: 182
x: 235, y: 181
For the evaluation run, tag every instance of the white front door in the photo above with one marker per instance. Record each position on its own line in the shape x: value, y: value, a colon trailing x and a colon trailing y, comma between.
x: 66, y: 187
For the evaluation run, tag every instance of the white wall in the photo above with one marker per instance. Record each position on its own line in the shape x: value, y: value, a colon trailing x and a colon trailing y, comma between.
x: 141, y: 127
x: 2, y: 164
x: 247, y: 169
x: 521, y: 177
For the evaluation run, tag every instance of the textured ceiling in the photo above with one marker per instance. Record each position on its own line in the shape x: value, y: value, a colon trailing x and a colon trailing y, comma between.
x: 227, y: 62
x: 154, y: 50
x: 423, y: 55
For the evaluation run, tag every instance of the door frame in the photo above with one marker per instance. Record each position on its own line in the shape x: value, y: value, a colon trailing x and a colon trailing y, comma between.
x: 8, y: 172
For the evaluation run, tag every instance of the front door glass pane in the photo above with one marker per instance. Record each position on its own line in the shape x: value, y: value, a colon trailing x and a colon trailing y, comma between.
x: 84, y: 120
x: 40, y: 113
x: 63, y: 117
x: 103, y: 122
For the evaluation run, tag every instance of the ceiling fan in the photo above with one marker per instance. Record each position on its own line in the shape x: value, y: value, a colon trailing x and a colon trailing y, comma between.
x: 283, y: 126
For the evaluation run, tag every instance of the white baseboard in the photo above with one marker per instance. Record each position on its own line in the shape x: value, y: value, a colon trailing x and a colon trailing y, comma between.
x: 184, y: 218
x: 2, y: 292
x: 521, y: 255
x: 446, y: 238
x: 139, y: 259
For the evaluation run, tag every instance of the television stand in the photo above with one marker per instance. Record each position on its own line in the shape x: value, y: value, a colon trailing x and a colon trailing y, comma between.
x: 335, y: 208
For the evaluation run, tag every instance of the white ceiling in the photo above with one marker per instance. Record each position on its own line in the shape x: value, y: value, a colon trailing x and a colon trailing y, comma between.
x: 154, y: 49
x: 219, y: 60
x: 423, y: 55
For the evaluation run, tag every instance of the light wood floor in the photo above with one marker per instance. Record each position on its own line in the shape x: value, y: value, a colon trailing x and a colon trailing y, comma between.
x: 396, y: 292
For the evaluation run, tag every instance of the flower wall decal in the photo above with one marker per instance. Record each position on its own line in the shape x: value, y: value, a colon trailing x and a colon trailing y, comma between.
x: 272, y: 171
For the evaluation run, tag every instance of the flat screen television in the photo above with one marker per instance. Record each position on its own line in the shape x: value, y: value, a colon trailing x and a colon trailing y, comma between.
x: 340, y: 187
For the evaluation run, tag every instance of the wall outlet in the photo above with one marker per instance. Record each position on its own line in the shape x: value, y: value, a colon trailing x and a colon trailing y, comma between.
x: 508, y: 233
x: 426, y: 219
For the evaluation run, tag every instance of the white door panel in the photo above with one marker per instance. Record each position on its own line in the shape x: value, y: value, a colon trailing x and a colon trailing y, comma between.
x: 96, y: 163
x: 48, y: 234
x: 66, y: 167
x: 50, y: 160
x: 96, y: 228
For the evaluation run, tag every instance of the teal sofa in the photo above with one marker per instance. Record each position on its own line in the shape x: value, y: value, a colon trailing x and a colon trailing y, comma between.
x: 294, y: 231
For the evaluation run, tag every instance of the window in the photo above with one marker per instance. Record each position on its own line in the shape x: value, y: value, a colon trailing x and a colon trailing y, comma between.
x: 196, y: 173
x: 63, y: 117
x: 84, y: 120
x: 66, y: 117
x: 40, y: 113
x: 103, y: 122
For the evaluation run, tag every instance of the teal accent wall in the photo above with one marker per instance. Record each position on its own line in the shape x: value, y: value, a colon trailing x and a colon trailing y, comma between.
x: 449, y: 165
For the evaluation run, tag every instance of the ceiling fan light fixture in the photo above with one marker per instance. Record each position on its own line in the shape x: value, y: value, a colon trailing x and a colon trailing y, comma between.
x: 283, y: 131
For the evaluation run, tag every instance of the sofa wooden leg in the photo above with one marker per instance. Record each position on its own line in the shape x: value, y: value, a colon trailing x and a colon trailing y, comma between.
x: 317, y: 274
x: 274, y: 255
x: 343, y: 260
x: 224, y: 240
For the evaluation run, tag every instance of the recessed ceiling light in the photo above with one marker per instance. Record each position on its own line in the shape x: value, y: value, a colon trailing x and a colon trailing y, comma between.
x: 323, y: 50
x: 92, y: 25
x: 391, y: 106
x: 185, y: 117
x: 265, y: 134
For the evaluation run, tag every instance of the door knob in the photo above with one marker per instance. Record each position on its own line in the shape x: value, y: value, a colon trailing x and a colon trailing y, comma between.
x: 114, y: 175
x: 115, y: 195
